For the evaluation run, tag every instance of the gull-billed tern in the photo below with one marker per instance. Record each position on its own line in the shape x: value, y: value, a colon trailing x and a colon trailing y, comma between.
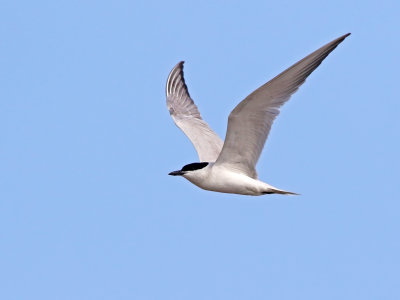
x: 229, y: 167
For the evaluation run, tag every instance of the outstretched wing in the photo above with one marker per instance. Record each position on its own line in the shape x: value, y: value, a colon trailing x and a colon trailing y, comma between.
x: 250, y: 122
x: 187, y: 117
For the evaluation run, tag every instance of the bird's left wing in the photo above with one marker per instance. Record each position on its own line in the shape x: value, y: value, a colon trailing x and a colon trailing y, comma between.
x: 251, y: 120
x: 187, y: 117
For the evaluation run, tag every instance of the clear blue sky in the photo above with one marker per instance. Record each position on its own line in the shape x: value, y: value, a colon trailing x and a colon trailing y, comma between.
x: 87, y: 210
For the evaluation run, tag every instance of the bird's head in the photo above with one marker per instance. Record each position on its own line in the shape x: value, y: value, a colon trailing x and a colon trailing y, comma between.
x: 190, y: 169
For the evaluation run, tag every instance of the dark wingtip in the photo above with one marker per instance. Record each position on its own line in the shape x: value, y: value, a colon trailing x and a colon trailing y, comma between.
x: 173, y: 76
x: 338, y: 40
x: 343, y: 37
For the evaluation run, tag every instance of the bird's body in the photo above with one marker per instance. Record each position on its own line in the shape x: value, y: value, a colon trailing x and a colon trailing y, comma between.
x: 225, y: 180
x: 229, y: 167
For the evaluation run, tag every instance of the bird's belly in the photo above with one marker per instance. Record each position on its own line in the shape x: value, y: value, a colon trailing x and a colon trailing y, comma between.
x: 232, y: 183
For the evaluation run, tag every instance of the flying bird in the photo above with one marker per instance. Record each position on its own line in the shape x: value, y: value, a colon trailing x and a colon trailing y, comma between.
x: 229, y: 167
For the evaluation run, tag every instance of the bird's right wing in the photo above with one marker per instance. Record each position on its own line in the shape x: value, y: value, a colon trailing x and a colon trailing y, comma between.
x: 187, y: 117
x: 251, y: 120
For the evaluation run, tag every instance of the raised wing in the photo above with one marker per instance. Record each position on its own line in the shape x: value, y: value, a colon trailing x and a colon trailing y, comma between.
x: 250, y: 122
x: 187, y: 117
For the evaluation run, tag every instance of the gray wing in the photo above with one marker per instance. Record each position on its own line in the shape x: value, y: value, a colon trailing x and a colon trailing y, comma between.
x: 250, y: 122
x: 187, y: 117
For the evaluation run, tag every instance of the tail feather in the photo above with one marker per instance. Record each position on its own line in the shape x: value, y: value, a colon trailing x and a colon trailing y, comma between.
x: 278, y: 191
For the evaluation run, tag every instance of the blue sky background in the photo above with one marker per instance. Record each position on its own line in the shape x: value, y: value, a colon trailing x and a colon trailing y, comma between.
x: 87, y: 210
